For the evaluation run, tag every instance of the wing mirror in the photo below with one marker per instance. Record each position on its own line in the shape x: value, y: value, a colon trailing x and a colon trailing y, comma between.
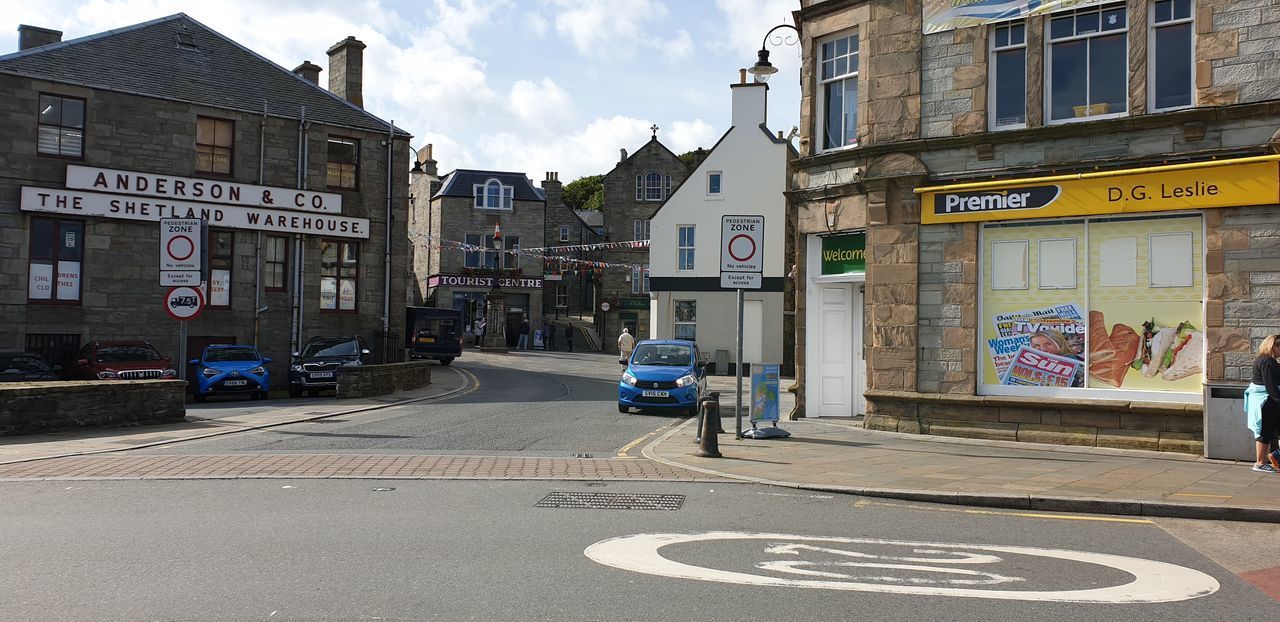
x: 193, y: 362
x: 266, y: 359
x: 364, y: 352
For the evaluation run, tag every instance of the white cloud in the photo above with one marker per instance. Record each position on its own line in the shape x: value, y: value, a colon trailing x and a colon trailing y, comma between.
x: 689, y: 135
x: 747, y: 21
x: 618, y: 28
x: 459, y: 18
x: 592, y: 150
x: 543, y: 105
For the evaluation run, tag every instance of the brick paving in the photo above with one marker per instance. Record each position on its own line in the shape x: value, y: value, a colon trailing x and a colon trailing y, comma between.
x: 368, y: 466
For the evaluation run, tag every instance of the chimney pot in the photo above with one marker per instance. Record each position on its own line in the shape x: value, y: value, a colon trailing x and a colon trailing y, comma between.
x: 346, y: 70
x: 34, y: 36
x: 426, y: 162
x: 742, y: 76
x: 309, y: 71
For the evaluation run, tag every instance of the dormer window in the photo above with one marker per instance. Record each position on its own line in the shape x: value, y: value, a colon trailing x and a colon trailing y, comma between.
x: 493, y: 195
x: 652, y: 186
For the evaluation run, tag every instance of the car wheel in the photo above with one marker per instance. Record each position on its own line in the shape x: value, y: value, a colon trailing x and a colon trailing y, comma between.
x: 623, y: 409
x: 199, y: 398
x: 692, y: 411
x: 313, y: 392
x: 446, y: 361
x: 295, y: 392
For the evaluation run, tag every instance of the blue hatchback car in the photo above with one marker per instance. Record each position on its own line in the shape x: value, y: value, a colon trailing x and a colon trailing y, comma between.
x: 663, y: 374
x: 230, y: 370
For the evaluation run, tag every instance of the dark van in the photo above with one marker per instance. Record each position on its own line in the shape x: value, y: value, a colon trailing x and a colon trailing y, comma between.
x: 432, y: 333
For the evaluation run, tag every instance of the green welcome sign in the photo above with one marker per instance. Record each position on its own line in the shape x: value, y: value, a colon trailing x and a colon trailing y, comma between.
x: 842, y: 254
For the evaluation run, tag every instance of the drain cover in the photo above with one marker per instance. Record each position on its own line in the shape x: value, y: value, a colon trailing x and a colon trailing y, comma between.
x: 610, y: 501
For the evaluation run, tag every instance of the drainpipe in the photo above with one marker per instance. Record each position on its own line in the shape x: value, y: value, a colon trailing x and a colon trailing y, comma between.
x: 386, y: 277
x: 257, y: 253
x: 295, y: 336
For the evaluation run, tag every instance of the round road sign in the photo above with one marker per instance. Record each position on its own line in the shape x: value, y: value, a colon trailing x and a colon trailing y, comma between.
x: 742, y: 247
x: 181, y: 247
x: 183, y: 303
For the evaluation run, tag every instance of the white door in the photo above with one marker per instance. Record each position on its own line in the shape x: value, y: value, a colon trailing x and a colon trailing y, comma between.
x: 831, y: 369
x: 753, y: 331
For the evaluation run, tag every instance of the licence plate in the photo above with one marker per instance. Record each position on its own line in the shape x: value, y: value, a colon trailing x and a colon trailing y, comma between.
x: 426, y: 339
x: 236, y: 383
x: 321, y: 374
x: 654, y: 394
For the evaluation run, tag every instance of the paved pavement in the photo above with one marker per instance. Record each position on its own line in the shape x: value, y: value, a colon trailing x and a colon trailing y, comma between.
x: 834, y: 455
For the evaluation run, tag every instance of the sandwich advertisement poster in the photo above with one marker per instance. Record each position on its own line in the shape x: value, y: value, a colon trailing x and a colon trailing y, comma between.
x: 1102, y: 304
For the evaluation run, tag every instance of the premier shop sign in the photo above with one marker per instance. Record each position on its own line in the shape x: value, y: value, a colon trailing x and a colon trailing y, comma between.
x: 93, y: 204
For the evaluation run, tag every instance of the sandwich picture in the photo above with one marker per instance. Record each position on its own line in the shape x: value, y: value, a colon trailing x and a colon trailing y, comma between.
x: 1110, y: 355
x: 1172, y: 352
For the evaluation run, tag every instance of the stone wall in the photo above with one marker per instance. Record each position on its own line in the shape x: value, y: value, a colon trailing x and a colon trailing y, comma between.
x: 953, y: 69
x: 1236, y: 51
x: 372, y: 380
x: 1243, y: 266
x: 948, y: 299
x: 889, y: 102
x: 35, y: 407
x: 576, y: 279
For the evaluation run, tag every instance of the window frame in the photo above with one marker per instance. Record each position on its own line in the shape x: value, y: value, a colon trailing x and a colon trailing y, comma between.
x: 329, y: 162
x: 821, y: 85
x: 683, y: 250
x: 640, y: 279
x: 562, y: 296
x: 641, y: 233
x: 481, y: 195
x: 1049, y: 41
x: 55, y: 258
x: 221, y: 261
x: 993, y: 76
x: 510, y: 252
x: 675, y: 333
x: 653, y: 186
x: 1152, y: 26
x: 268, y: 261
x: 564, y: 233
x: 344, y: 249
x: 231, y: 149
x: 715, y: 184
x: 473, y: 258
x: 84, y: 116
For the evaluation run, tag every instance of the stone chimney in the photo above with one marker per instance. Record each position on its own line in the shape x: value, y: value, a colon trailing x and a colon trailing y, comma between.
x: 426, y: 163
x: 309, y: 72
x: 749, y: 103
x: 622, y: 156
x: 346, y: 70
x: 552, y: 188
x: 32, y: 36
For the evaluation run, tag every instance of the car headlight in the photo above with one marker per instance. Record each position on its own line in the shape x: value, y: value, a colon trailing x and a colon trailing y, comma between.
x: 258, y: 371
x: 628, y: 379
x: 107, y: 375
x: 352, y: 364
x: 686, y: 381
x: 295, y: 368
x: 209, y: 372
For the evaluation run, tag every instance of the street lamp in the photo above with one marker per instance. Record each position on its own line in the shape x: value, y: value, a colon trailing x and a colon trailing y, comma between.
x: 763, y: 68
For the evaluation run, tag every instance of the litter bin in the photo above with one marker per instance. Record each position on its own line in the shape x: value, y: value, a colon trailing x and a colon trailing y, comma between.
x: 722, y: 362
x: 1226, y: 435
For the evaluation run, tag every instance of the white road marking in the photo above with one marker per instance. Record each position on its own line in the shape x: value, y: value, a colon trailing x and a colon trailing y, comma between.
x: 1153, y: 581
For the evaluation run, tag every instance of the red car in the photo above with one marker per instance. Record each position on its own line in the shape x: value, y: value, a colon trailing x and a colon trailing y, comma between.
x: 122, y: 360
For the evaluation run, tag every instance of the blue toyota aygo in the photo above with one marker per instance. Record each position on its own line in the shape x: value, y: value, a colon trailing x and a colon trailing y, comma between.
x: 663, y: 374
x: 230, y: 370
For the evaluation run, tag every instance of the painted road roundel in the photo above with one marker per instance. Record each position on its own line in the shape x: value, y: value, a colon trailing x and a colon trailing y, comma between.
x: 903, y: 567
x: 183, y: 303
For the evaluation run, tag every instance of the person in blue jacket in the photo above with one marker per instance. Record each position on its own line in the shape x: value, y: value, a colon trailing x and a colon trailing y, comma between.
x: 1262, y: 405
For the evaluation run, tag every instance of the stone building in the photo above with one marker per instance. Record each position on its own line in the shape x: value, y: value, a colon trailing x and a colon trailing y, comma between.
x: 633, y: 190
x: 104, y: 135
x: 1067, y: 216
x: 470, y: 243
x: 569, y: 286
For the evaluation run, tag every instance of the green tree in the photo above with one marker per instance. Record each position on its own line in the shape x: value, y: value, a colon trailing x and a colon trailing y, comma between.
x: 585, y: 193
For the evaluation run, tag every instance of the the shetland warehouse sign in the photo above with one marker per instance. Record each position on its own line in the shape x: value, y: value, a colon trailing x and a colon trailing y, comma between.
x: 944, y: 15
x: 202, y: 190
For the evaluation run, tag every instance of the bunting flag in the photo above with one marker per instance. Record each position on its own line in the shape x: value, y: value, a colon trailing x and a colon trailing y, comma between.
x: 592, y: 247
x: 534, y: 253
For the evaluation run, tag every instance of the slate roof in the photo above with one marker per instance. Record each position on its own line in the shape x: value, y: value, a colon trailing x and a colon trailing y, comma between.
x: 460, y: 183
x: 145, y: 59
x: 590, y: 217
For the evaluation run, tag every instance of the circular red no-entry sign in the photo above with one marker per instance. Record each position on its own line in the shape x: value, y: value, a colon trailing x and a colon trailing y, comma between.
x: 742, y: 247
x: 180, y: 248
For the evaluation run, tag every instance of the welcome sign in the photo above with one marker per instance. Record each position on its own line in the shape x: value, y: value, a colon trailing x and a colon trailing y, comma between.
x: 844, y: 254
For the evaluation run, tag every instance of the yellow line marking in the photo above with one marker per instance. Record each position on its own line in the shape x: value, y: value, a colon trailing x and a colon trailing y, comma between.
x: 622, y: 453
x: 1102, y: 519
x: 1192, y: 494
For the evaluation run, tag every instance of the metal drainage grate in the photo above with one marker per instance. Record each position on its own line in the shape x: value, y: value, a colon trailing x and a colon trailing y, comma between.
x: 610, y: 501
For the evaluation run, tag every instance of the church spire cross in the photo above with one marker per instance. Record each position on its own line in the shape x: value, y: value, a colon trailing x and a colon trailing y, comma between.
x: 654, y: 128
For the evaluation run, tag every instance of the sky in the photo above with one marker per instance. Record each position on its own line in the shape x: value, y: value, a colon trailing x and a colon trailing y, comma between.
x: 511, y: 85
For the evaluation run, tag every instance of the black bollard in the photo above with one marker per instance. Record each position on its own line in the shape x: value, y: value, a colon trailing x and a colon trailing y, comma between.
x: 709, y: 443
x: 715, y: 397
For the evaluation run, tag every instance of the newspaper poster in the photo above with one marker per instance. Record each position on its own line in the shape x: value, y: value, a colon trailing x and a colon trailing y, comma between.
x: 1057, y: 330
x: 764, y: 392
x: 944, y: 15
x: 1036, y: 368
x: 1003, y: 349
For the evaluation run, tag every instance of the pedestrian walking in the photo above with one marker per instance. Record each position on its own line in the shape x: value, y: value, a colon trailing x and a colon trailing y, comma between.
x: 551, y: 336
x: 1262, y: 405
x: 523, y: 343
x: 479, y: 331
x: 568, y: 337
x: 626, y: 344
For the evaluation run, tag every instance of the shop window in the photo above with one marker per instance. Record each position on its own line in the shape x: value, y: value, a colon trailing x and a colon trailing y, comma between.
x: 215, y: 140
x: 275, y: 253
x: 564, y: 234
x: 54, y: 258
x: 511, y: 254
x: 493, y: 195
x: 685, y: 248
x: 61, y: 127
x: 1009, y: 264
x: 221, y: 263
x: 1131, y: 329
x: 1008, y: 80
x: 838, y: 85
x: 1088, y: 64
x: 1057, y: 264
x: 1171, y: 59
x: 342, y: 171
x: 652, y: 186
x: 713, y: 182
x: 640, y: 229
x: 686, y: 320
x: 562, y: 296
x: 339, y: 275
x: 472, y: 256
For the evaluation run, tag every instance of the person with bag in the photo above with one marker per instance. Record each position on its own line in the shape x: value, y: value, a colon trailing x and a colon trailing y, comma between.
x: 626, y: 344
x: 1262, y: 405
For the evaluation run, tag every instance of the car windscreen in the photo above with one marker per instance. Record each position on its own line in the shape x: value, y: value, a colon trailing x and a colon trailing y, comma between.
x: 19, y: 364
x: 672, y: 355
x: 224, y: 355
x: 436, y: 327
x: 331, y: 348
x: 127, y: 354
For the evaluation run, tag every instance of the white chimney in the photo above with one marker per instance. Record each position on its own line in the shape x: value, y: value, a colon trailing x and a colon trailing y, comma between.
x: 750, y: 103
